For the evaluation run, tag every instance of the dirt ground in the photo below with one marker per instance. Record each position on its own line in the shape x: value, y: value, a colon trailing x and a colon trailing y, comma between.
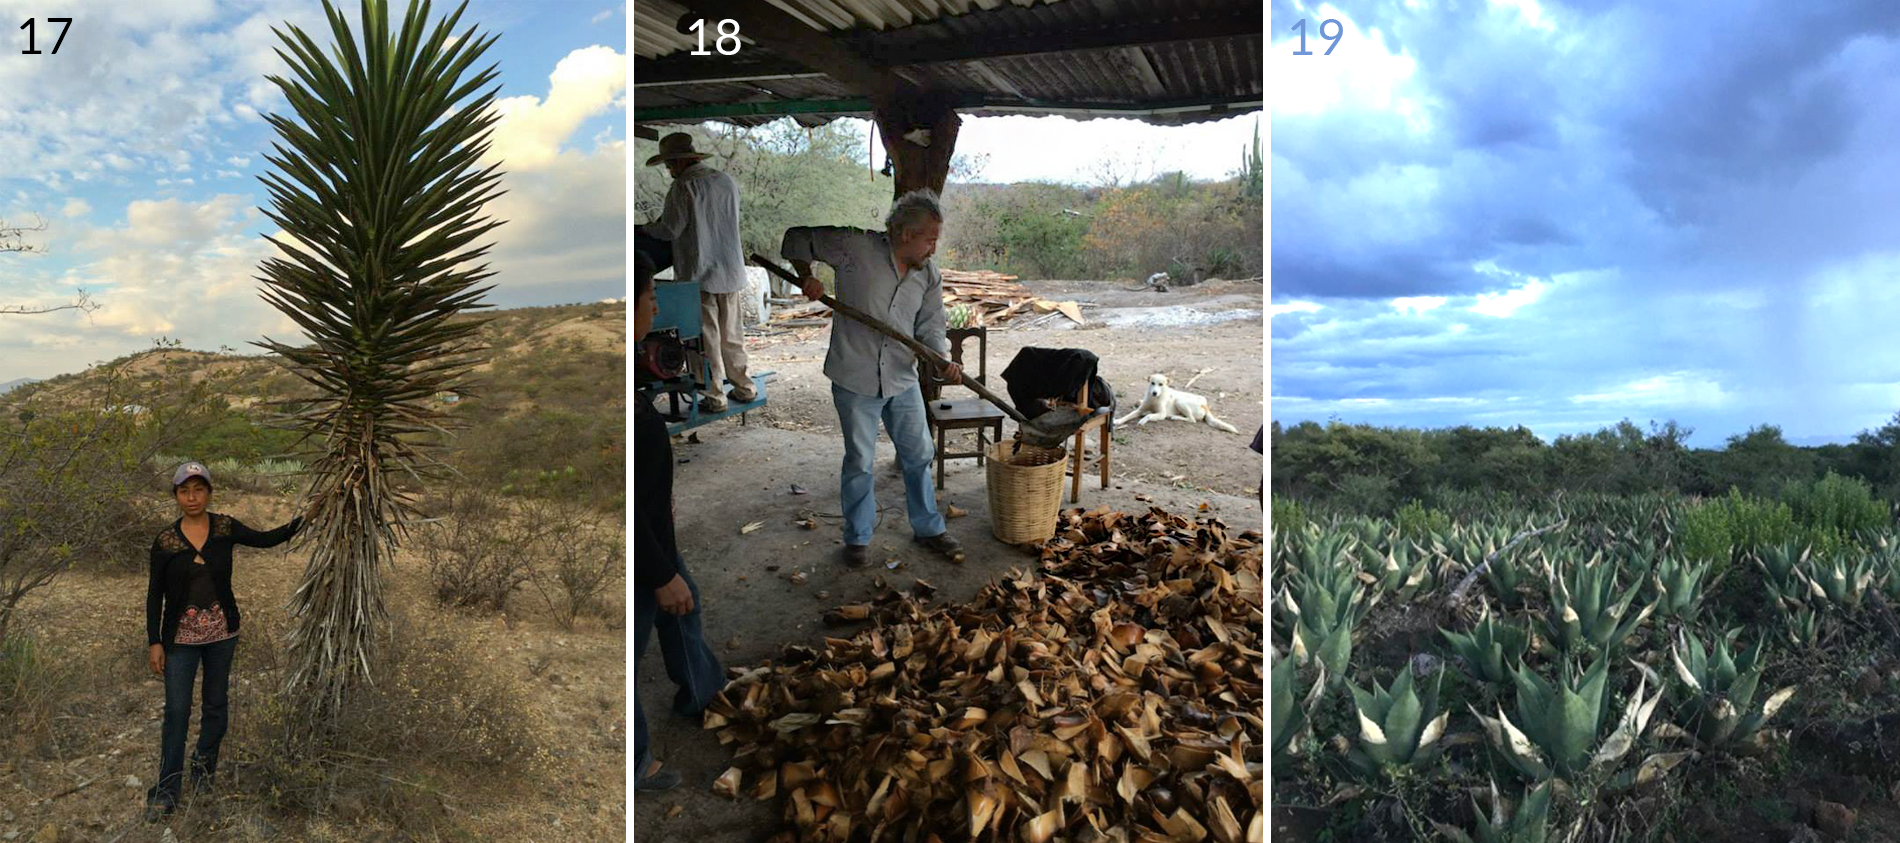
x: 780, y: 467
x: 575, y: 682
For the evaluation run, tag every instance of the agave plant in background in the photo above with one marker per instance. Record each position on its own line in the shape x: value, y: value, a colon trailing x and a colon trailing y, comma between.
x: 1397, y: 725
x: 1778, y: 564
x: 1492, y: 650
x: 1802, y: 626
x: 1714, y: 696
x: 1401, y: 573
x: 1679, y: 588
x: 1526, y: 824
x: 1286, y: 717
x: 1587, y: 613
x: 379, y: 194
x: 1559, y: 723
x: 1320, y: 608
x: 1835, y: 581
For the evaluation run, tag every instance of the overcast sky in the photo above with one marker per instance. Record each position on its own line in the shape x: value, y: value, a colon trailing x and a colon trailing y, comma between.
x: 140, y: 144
x: 1567, y: 213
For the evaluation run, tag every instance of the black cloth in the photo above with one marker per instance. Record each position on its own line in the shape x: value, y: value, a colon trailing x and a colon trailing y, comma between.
x: 655, y: 550
x: 203, y: 593
x: 168, y: 591
x: 660, y: 252
x: 1257, y: 442
x: 1039, y: 374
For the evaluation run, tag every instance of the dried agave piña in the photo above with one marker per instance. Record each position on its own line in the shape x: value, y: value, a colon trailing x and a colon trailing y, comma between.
x: 1111, y: 695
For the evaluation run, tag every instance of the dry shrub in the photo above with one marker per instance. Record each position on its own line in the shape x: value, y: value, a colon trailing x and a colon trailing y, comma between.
x: 578, y: 556
x: 477, y: 554
x: 440, y: 726
x: 36, y: 682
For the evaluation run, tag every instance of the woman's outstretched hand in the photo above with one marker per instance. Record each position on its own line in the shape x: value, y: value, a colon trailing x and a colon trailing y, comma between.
x: 155, y: 658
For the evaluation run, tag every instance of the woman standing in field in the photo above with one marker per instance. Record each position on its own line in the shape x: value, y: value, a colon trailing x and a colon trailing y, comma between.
x: 191, y: 619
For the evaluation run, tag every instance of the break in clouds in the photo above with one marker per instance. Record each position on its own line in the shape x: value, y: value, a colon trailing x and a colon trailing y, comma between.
x: 1563, y: 214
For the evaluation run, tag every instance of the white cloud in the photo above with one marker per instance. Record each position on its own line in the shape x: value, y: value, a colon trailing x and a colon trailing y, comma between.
x: 1418, y: 305
x: 1504, y: 304
x: 75, y: 208
x: 1363, y: 73
x: 238, y: 161
x: 172, y: 268
x: 604, y: 14
x: 530, y: 130
x: 1292, y: 307
x: 1676, y: 389
x: 1532, y: 13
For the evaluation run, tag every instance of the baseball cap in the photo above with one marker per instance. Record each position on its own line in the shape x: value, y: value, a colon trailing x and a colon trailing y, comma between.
x: 186, y: 471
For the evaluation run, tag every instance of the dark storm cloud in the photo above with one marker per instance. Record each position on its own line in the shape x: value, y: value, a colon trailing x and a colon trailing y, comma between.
x: 1704, y: 190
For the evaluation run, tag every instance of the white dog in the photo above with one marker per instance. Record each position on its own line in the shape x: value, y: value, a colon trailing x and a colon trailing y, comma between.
x: 1166, y: 402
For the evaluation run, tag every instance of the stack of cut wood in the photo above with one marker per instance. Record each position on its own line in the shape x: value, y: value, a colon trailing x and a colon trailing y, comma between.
x: 1112, y: 697
x: 993, y: 299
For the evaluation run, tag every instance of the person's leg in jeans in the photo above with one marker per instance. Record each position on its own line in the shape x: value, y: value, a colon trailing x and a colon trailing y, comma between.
x: 215, y: 716
x: 732, y: 345
x: 710, y: 335
x: 910, y: 432
x: 690, y: 662
x: 645, y: 608
x: 181, y: 667
x: 857, y: 418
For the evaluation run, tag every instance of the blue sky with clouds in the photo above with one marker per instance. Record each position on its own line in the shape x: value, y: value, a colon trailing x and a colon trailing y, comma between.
x: 140, y: 143
x: 1561, y: 214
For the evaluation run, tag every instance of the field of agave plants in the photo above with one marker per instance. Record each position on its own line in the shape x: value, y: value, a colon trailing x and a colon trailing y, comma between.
x: 1575, y: 671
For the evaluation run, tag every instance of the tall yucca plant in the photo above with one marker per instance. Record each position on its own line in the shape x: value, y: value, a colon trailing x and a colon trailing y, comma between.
x: 380, y: 200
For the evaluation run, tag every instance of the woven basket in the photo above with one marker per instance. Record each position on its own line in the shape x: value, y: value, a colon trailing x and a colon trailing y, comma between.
x: 1025, y: 485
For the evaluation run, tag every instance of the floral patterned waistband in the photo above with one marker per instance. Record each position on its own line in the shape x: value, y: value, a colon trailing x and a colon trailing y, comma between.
x: 202, y: 626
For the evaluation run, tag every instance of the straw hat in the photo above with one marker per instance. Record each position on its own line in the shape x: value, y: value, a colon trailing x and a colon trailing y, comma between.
x: 677, y: 147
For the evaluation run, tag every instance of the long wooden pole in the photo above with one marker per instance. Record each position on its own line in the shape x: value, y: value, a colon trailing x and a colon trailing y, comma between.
x: 881, y: 327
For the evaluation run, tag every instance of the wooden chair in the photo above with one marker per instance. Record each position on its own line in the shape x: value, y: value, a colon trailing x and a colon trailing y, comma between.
x: 1102, y: 422
x: 945, y: 415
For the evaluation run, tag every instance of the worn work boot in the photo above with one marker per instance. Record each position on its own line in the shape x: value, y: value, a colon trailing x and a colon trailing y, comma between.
x: 712, y: 404
x: 857, y: 555
x: 944, y: 544
x: 743, y: 396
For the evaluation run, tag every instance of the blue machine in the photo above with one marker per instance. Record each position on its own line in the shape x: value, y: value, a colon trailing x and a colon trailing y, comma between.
x: 671, y: 362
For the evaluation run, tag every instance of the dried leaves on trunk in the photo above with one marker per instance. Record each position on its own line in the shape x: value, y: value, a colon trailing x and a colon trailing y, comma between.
x: 1113, y: 695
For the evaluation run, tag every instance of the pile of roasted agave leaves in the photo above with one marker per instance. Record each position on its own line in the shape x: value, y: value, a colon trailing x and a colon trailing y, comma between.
x: 1112, y: 696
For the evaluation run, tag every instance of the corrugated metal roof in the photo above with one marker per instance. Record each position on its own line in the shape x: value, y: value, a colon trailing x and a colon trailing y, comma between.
x: 1166, y: 62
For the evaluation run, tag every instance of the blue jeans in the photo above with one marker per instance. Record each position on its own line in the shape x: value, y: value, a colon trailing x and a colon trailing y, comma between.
x: 903, y: 416
x: 181, y: 667
x: 690, y: 663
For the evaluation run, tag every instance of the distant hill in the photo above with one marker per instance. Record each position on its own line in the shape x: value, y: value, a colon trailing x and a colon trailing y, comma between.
x: 554, y: 337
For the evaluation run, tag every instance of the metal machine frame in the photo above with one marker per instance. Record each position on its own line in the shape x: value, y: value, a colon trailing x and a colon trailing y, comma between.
x: 678, y: 315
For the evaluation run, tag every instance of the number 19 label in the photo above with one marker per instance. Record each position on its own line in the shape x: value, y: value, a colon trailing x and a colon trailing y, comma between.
x: 1339, y: 31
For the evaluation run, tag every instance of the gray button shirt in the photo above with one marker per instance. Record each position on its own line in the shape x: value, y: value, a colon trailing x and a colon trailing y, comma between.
x: 861, y: 359
x: 701, y: 217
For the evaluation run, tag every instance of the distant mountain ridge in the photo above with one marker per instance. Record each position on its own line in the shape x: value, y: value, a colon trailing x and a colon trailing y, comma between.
x: 8, y: 386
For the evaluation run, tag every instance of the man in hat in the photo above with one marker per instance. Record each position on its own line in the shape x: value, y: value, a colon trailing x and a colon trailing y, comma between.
x: 701, y: 220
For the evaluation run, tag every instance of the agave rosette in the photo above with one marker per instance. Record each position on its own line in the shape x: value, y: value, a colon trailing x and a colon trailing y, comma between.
x: 1525, y: 824
x: 1837, y: 581
x: 1398, y: 726
x: 1492, y: 649
x: 1679, y: 587
x: 1587, y: 613
x: 1715, y: 692
x: 1558, y: 732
